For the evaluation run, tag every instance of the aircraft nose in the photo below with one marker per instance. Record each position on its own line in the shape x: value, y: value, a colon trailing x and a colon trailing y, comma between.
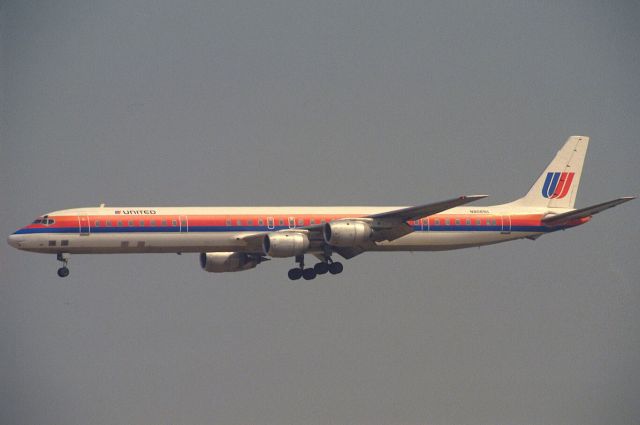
x: 14, y: 240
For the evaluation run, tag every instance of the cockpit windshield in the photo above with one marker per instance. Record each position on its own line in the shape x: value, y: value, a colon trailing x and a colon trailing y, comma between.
x: 45, y: 221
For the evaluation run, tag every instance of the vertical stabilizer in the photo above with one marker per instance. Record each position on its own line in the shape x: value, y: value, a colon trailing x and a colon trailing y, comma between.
x: 557, y: 187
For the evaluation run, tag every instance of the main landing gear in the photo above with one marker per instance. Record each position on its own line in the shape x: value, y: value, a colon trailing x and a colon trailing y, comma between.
x: 328, y: 265
x: 63, y: 257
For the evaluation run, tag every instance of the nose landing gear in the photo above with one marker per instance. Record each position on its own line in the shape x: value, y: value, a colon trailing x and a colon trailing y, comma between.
x: 63, y: 257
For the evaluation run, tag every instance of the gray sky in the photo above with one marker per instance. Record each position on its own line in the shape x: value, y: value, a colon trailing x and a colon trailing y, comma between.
x: 319, y: 102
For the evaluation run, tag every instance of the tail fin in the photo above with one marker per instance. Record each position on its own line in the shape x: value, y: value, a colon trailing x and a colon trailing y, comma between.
x: 557, y: 187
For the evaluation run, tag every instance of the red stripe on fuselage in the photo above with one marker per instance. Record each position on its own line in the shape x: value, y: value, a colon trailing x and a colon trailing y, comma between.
x: 194, y: 221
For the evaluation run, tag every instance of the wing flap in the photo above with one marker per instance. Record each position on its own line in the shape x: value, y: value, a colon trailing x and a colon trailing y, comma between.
x: 349, y: 252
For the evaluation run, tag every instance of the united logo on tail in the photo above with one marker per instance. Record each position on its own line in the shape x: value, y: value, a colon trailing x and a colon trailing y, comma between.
x: 557, y: 184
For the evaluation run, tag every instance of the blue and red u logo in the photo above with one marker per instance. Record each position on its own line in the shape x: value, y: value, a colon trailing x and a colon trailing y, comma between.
x: 557, y: 184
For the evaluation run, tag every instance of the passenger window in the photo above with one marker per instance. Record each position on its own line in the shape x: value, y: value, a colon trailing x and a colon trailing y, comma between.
x: 141, y: 223
x: 447, y: 221
x: 457, y: 221
x: 436, y: 222
x: 228, y: 222
x: 478, y: 222
x: 97, y: 223
x: 468, y: 221
x: 323, y: 221
x: 312, y: 221
x: 130, y: 222
x: 108, y: 223
x: 174, y: 223
x: 153, y: 222
x: 281, y: 222
x: 164, y: 222
x: 260, y: 222
x: 301, y: 222
x: 239, y: 222
x: 249, y: 222
x: 270, y: 221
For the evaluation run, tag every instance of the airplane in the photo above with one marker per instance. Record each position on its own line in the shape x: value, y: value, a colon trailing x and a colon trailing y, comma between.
x: 231, y: 239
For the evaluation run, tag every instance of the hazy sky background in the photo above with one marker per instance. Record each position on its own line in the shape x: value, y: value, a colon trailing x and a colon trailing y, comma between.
x: 319, y: 102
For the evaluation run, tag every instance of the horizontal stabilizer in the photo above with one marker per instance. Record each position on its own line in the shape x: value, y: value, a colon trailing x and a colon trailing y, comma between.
x: 585, y: 212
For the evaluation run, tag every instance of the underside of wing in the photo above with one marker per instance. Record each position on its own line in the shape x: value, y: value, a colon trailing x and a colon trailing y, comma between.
x: 349, y: 252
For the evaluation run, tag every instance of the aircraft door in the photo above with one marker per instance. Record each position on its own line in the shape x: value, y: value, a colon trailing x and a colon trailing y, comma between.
x: 184, y: 223
x: 506, y: 224
x: 84, y: 227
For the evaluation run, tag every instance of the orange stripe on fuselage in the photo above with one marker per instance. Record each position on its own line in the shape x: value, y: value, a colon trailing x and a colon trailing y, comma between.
x: 279, y: 220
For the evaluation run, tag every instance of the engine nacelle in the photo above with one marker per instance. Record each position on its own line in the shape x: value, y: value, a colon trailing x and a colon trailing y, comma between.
x: 285, y: 244
x: 221, y: 262
x: 346, y: 233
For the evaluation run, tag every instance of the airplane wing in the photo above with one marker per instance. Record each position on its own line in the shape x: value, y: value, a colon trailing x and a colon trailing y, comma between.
x: 414, y: 213
x: 584, y: 212
x: 389, y: 225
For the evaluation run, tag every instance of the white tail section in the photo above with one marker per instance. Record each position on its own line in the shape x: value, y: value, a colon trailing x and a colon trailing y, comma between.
x: 557, y: 187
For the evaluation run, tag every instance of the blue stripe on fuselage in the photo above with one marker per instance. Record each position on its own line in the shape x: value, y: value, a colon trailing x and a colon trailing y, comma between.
x: 216, y: 229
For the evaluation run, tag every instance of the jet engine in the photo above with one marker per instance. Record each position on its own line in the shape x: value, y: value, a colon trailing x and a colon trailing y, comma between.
x: 285, y: 244
x: 346, y: 233
x: 221, y: 262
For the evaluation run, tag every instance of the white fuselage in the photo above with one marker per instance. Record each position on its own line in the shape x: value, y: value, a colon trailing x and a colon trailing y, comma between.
x: 223, y: 229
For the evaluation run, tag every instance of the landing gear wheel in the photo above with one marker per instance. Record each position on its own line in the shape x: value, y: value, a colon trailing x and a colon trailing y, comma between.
x: 63, y: 257
x: 321, y: 268
x: 309, y: 274
x: 295, y: 274
x: 335, y: 268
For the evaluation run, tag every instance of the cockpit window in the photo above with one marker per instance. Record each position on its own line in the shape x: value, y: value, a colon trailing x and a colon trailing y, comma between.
x: 37, y: 221
x: 45, y: 221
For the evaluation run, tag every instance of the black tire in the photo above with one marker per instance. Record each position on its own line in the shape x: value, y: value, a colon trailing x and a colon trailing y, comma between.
x: 335, y: 268
x: 63, y: 272
x: 309, y: 274
x: 295, y: 274
x: 321, y: 268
